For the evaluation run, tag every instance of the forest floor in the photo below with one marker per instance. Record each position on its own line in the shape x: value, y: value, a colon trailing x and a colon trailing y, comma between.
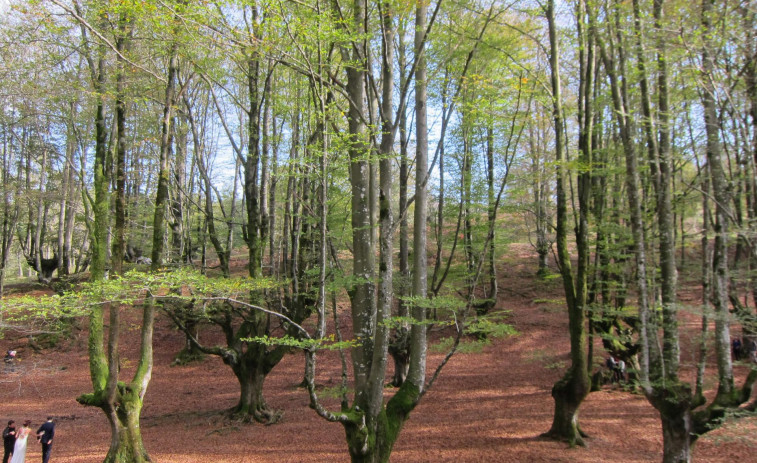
x: 487, y: 406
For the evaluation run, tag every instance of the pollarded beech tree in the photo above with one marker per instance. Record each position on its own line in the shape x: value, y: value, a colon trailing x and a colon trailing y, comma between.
x: 104, y: 31
x: 371, y: 425
x: 253, y: 93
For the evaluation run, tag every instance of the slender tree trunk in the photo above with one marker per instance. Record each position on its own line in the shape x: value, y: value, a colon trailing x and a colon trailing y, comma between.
x: 265, y: 176
x: 41, y: 221
x: 492, y: 216
x: 398, y: 348
x: 166, y: 149
x: 571, y: 390
x: 10, y: 213
x: 466, y: 182
x: 273, y: 261
x: 119, y: 243
x: 179, y: 249
x: 386, y: 217
x: 62, y: 211
x: 721, y: 196
x: 222, y: 252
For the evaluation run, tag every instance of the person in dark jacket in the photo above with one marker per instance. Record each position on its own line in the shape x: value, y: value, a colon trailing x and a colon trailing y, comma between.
x: 45, y: 435
x: 737, y: 349
x: 9, y: 360
x: 9, y: 440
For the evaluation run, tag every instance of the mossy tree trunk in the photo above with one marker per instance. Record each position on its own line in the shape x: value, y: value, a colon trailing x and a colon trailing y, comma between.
x: 121, y: 402
x: 166, y: 141
x: 252, y: 406
x: 372, y: 427
x: 573, y: 388
x: 372, y: 441
x: 568, y: 394
x: 665, y: 392
x: 127, y: 445
x: 674, y: 406
x: 676, y: 438
x: 119, y: 229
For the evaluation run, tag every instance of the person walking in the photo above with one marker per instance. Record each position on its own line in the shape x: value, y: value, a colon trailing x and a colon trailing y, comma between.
x: 45, y: 435
x: 621, y: 371
x: 9, y: 440
x: 611, y: 365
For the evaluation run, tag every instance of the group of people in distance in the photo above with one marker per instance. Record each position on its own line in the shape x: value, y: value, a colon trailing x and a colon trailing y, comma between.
x: 14, y: 440
x: 618, y: 369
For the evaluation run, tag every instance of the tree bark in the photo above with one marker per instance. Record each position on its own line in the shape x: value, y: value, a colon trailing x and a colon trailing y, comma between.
x: 676, y: 432
x: 119, y: 243
x: 571, y: 390
x: 721, y: 196
x: 166, y: 149
x: 252, y: 405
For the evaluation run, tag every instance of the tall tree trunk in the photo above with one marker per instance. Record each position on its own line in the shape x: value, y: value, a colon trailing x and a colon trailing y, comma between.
x: 119, y: 243
x: 362, y: 294
x: 386, y: 217
x: 10, y: 212
x: 41, y: 223
x: 223, y: 253
x: 252, y: 191
x: 120, y: 403
x: 179, y: 249
x: 265, y: 175
x: 416, y: 377
x: 721, y: 196
x: 166, y: 150
x: 398, y: 348
x: 571, y: 390
x: 492, y: 216
x: 62, y: 208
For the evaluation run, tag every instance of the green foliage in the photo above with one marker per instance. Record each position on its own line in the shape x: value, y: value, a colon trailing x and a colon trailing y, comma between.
x: 480, y: 332
x: 132, y: 288
x: 334, y: 392
x: 46, y: 312
x: 397, y: 322
x: 489, y: 327
x: 59, y: 331
x: 464, y: 347
x: 327, y: 343
x: 436, y: 303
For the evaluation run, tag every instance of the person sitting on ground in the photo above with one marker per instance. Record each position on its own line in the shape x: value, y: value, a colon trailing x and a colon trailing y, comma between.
x: 10, y: 359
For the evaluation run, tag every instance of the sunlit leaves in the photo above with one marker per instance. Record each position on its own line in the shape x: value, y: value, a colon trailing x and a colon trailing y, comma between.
x: 132, y: 288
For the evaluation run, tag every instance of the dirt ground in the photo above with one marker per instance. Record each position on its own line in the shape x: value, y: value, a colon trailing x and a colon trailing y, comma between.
x: 488, y: 406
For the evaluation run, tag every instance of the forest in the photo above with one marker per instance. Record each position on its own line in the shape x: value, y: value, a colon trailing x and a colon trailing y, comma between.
x: 361, y: 193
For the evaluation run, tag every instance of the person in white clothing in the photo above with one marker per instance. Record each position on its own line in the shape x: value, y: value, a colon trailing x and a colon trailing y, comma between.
x: 19, y: 450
